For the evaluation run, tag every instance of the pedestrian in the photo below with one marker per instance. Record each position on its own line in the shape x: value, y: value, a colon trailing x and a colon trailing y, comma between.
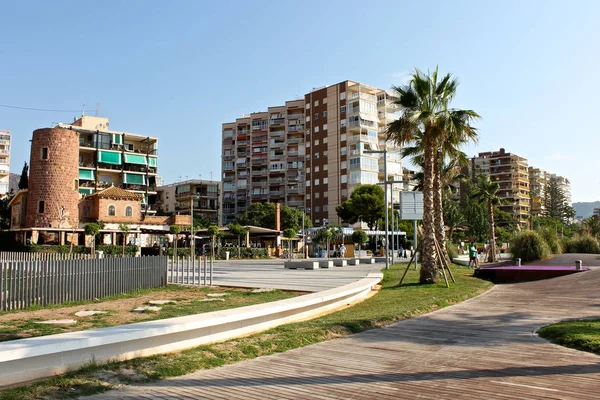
x: 473, y: 256
x: 203, y: 251
x: 400, y: 251
x: 342, y: 250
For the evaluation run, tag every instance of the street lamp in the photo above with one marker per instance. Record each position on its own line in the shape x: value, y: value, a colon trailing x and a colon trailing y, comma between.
x: 193, y: 235
x: 385, y: 186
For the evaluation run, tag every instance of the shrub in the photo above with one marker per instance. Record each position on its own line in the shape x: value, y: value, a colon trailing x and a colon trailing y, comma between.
x: 64, y: 249
x: 552, y: 240
x: 529, y: 246
x: 181, y: 252
x: 582, y: 244
x: 451, y: 250
x: 110, y: 250
x: 245, y: 252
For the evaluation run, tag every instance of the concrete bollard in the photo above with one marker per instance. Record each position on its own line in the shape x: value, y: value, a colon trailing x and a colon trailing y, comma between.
x: 518, y: 262
x: 578, y: 265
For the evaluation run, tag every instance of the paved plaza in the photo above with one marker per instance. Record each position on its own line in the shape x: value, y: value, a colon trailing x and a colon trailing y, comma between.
x: 483, y: 348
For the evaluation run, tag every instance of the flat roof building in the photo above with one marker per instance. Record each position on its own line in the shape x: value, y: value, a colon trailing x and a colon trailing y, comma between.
x: 4, y: 163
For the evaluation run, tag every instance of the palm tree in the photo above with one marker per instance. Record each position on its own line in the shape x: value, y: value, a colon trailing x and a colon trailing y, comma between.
x: 486, y: 192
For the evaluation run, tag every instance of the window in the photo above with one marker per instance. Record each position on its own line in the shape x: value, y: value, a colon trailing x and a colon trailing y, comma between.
x: 325, y: 208
x: 325, y: 181
x: 344, y: 178
x: 44, y: 153
x: 324, y: 127
x: 129, y: 211
x: 307, y: 106
x: 317, y: 116
x: 317, y: 195
x: 316, y: 129
x: 343, y: 137
x: 317, y: 182
x: 75, y: 184
x: 307, y: 183
x: 325, y: 100
x: 308, y: 118
x: 325, y: 153
x: 316, y: 156
x: 317, y: 168
x: 111, y: 211
x: 316, y: 142
x: 344, y: 193
x: 41, y: 206
x: 343, y: 96
x: 343, y: 110
x: 317, y: 209
x: 324, y: 114
x: 343, y: 166
x: 307, y: 144
x: 325, y: 167
x: 325, y: 195
x: 325, y: 139
x: 316, y: 103
x: 343, y: 123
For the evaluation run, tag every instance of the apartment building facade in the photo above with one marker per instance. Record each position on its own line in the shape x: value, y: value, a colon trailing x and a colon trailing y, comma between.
x: 114, y: 158
x: 309, y: 154
x: 539, y: 179
x: 511, y: 172
x: 177, y: 198
x: 4, y: 163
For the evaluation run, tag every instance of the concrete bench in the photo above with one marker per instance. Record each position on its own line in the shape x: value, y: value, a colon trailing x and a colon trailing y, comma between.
x: 369, y: 260
x: 325, y: 263
x: 301, y: 264
x: 382, y: 259
x: 354, y: 261
x: 340, y: 263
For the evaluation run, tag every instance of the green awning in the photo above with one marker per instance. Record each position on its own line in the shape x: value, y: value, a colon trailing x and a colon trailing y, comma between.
x: 86, y: 191
x: 117, y: 138
x: 135, y: 179
x: 153, y: 161
x: 109, y: 157
x: 86, y: 174
x: 135, y: 159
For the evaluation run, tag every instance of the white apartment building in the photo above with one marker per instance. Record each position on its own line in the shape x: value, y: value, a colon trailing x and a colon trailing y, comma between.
x: 4, y: 162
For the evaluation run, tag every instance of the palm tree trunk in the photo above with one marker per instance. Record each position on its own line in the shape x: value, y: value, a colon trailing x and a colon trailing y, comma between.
x: 492, y: 239
x: 438, y: 203
x: 429, y: 273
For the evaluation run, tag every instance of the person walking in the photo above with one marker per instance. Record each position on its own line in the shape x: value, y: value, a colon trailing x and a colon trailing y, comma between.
x: 342, y: 250
x: 473, y: 256
x: 202, y: 251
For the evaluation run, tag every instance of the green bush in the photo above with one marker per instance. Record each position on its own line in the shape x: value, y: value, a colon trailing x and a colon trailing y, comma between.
x: 61, y: 249
x: 181, y: 252
x: 451, y: 250
x: 552, y: 240
x: 529, y: 246
x: 245, y: 252
x: 582, y: 244
x: 110, y: 250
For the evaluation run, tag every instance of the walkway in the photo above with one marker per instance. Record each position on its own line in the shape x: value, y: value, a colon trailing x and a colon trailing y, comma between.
x: 271, y: 274
x: 480, y: 349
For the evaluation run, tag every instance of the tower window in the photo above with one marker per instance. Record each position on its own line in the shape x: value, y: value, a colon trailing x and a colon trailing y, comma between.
x: 44, y: 153
x: 111, y: 211
x: 41, y: 206
x: 128, y: 211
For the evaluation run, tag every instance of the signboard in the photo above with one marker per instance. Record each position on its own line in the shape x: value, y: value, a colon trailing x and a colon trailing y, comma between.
x: 411, y: 205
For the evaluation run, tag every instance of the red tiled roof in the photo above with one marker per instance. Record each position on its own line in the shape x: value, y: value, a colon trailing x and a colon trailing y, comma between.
x: 117, y: 193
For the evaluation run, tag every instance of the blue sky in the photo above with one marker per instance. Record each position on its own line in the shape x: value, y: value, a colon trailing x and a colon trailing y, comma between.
x: 178, y: 70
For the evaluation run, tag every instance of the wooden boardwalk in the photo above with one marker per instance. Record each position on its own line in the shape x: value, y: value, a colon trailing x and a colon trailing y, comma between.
x: 484, y: 348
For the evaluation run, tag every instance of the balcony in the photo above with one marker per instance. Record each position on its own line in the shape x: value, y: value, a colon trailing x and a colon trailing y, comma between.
x: 228, y: 157
x: 295, y: 141
x: 259, y: 196
x: 276, y: 180
x: 295, y: 128
x: 295, y: 116
x: 295, y: 203
x: 261, y: 184
x: 259, y: 172
x: 276, y: 193
x: 242, y: 143
x: 259, y: 161
x: 276, y: 121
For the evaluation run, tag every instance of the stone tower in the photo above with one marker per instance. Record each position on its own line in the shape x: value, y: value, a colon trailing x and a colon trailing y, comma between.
x: 53, y: 179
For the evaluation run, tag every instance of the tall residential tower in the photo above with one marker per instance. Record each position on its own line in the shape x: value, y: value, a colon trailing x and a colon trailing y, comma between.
x: 4, y: 162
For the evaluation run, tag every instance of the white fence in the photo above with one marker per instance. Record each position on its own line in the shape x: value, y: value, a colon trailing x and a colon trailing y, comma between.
x: 25, y: 256
x: 27, y: 283
x: 190, y: 271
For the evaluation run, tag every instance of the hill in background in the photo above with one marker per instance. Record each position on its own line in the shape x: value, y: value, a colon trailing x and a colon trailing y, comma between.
x: 585, y: 209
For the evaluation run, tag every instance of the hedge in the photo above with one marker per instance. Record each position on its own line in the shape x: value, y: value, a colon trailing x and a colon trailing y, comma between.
x: 582, y: 244
x: 108, y: 250
x: 245, y: 252
x: 529, y: 246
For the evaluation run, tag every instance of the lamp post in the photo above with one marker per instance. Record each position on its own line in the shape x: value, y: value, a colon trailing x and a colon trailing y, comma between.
x: 385, y: 186
x: 193, y: 235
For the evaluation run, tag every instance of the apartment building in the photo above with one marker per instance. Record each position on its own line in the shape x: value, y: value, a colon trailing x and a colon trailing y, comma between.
x: 538, y: 179
x: 115, y: 158
x: 177, y: 198
x: 4, y: 162
x: 565, y: 185
x: 512, y: 174
x: 309, y: 153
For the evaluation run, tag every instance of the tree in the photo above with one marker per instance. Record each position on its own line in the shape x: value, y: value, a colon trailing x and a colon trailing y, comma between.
x: 366, y: 204
x: 125, y: 229
x: 453, y: 216
x: 4, y: 213
x: 556, y: 205
x: 24, y: 180
x: 263, y: 215
x: 324, y: 235
x: 290, y: 233
x: 291, y: 218
x: 175, y: 230
x: 359, y: 237
x: 425, y: 113
x: 238, y: 231
x: 213, y: 231
x: 486, y: 192
x: 92, y: 229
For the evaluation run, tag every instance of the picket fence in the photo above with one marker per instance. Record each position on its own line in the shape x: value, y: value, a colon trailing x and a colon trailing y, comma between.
x: 43, y: 282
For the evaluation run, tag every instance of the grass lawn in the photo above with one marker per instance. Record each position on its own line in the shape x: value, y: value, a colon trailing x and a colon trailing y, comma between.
x: 391, y: 304
x: 118, y: 309
x: 581, y: 334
